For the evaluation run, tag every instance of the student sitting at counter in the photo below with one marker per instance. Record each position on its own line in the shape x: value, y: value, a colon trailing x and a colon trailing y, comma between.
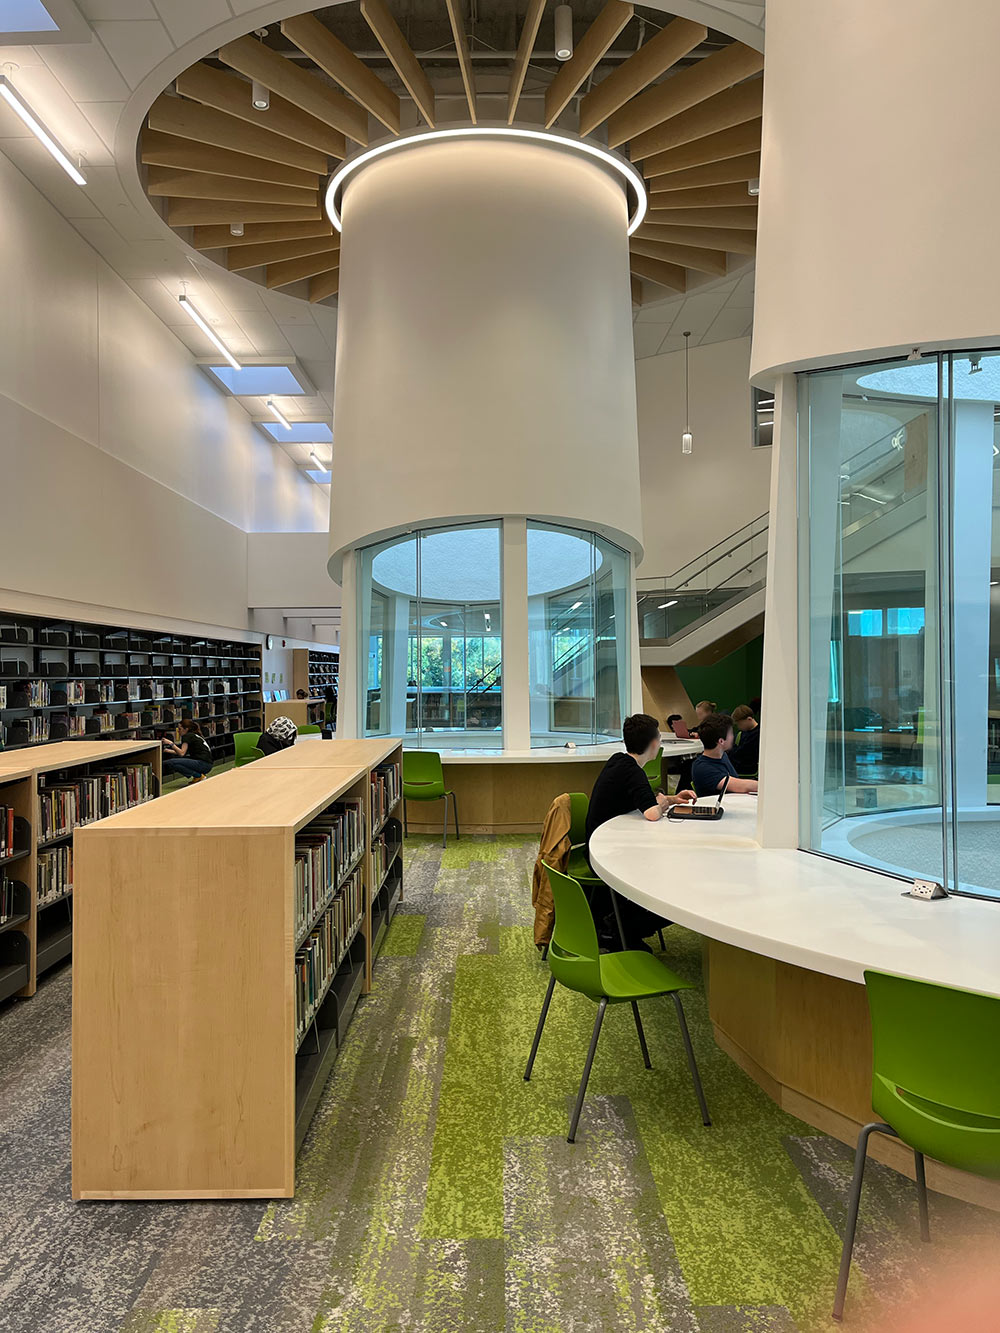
x: 710, y: 770
x: 622, y: 787
x: 746, y: 753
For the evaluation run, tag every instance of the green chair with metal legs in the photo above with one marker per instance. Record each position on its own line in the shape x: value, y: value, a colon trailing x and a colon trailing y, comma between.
x: 245, y: 747
x: 935, y: 1083
x: 607, y: 978
x: 309, y: 729
x: 423, y: 780
x: 654, y: 769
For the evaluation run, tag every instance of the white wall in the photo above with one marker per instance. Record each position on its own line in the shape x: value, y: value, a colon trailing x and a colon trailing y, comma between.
x: 723, y: 469
x: 279, y: 561
x: 127, y: 481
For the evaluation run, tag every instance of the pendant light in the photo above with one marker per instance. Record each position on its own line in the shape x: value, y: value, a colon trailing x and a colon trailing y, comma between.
x: 687, y: 440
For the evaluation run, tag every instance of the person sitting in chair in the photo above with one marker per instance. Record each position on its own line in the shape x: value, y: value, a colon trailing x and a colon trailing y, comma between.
x: 710, y: 770
x: 621, y: 788
x: 746, y: 753
x: 279, y: 736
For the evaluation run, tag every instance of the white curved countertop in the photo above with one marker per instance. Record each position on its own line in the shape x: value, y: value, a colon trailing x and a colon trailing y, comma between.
x: 793, y: 906
x: 555, y: 754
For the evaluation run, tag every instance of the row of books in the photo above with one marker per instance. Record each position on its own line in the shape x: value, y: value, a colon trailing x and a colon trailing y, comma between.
x: 63, y: 806
x: 386, y: 789
x: 10, y: 904
x: 325, y: 853
x: 320, y: 955
x: 55, y: 874
x: 7, y: 844
x: 382, y: 853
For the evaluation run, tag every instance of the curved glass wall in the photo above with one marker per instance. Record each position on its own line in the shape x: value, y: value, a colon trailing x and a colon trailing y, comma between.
x: 431, y: 637
x: 577, y: 661
x: 900, y: 617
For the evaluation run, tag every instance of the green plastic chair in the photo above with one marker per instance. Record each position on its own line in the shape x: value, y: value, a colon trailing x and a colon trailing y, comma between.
x: 310, y: 729
x: 423, y: 780
x: 609, y: 978
x: 654, y: 769
x: 245, y: 747
x: 935, y: 1083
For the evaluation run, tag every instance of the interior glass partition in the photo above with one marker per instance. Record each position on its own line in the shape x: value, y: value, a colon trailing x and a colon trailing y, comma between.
x: 900, y: 617
x: 578, y: 658
x: 432, y: 628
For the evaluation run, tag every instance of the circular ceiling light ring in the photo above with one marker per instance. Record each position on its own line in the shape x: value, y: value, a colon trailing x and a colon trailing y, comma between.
x: 631, y: 178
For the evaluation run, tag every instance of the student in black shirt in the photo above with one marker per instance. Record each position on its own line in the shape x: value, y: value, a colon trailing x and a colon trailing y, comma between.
x: 710, y: 769
x: 621, y: 788
x: 746, y: 753
x: 192, y: 758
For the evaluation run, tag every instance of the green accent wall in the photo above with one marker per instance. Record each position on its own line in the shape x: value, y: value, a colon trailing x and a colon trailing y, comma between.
x: 731, y: 681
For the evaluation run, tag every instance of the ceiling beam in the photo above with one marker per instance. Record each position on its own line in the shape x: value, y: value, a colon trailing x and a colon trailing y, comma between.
x: 273, y: 252
x: 229, y: 93
x: 743, y: 138
x: 189, y: 120
x: 389, y: 36
x: 176, y: 184
x: 585, y: 58
x: 296, y: 85
x: 324, y: 285
x: 464, y: 60
x: 167, y: 150
x: 705, y: 196
x: 721, y: 112
x: 525, y: 46
x: 687, y: 256
x: 712, y: 238
x: 220, y: 237
x: 686, y: 89
x: 205, y: 212
x: 656, y: 270
x: 287, y: 271
x: 678, y: 39
x: 730, y: 169
x: 343, y: 66
x: 742, y: 218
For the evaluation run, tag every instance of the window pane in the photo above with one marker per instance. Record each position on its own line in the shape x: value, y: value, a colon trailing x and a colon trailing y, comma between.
x: 871, y: 755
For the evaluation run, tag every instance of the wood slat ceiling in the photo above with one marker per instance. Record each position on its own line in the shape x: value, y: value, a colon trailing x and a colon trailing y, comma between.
x: 685, y: 106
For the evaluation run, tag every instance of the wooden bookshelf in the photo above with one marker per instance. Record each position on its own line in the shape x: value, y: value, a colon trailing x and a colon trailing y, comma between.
x: 17, y: 925
x: 313, y: 669
x: 28, y: 773
x: 189, y: 1078
x: 62, y: 680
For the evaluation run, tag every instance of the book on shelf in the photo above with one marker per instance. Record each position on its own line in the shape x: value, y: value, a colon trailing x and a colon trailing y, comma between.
x: 383, y: 852
x: 12, y: 902
x: 386, y: 788
x: 7, y: 845
x: 55, y: 874
x: 63, y: 806
x: 322, y: 952
x: 38, y: 729
x: 325, y: 852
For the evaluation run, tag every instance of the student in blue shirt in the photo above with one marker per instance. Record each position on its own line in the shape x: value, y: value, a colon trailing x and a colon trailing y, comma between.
x: 710, y: 770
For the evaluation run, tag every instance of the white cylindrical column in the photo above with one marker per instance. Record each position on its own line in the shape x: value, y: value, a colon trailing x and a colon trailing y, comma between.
x: 878, y: 204
x: 484, y: 346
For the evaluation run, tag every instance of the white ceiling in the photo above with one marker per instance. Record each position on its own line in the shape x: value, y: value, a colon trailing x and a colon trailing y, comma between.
x: 93, y: 97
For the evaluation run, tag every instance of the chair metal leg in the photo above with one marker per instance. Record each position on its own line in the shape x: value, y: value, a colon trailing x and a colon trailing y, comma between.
x: 706, y: 1119
x: 545, y: 952
x: 406, y: 830
x: 454, y: 809
x: 618, y: 917
x: 857, y: 1181
x: 642, y: 1036
x: 538, y: 1030
x: 662, y: 944
x: 571, y: 1137
x: 925, y: 1221
x: 444, y: 838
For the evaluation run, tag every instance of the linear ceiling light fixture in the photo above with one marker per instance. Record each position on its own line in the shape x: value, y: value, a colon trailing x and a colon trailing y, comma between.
x: 20, y: 108
x: 687, y: 440
x: 278, y: 415
x: 664, y: 605
x: 631, y: 177
x: 206, y: 328
x: 320, y: 467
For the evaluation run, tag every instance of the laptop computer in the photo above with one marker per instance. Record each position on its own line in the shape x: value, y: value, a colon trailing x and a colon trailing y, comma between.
x: 715, y: 811
x: 681, y: 730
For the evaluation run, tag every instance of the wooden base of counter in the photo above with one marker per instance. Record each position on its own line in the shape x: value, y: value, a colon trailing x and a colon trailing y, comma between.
x: 502, y: 797
x: 805, y: 1038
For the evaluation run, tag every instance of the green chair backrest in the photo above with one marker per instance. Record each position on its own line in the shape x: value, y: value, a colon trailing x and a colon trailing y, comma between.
x: 579, y: 804
x: 653, y: 769
x: 244, y: 743
x: 935, y: 1072
x: 422, y: 768
x: 574, y: 955
x: 310, y: 729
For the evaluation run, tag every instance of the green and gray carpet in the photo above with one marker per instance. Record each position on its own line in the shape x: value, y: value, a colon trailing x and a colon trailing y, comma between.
x: 436, y: 1190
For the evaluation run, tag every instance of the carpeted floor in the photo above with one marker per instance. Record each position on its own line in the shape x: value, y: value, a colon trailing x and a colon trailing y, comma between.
x: 436, y: 1191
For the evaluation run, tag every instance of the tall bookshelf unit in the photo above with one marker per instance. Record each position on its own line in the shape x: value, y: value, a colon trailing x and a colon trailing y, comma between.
x: 211, y: 989
x: 62, y: 680
x: 54, y: 791
x: 313, y: 669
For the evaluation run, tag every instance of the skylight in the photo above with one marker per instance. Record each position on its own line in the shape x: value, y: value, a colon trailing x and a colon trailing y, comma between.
x: 323, y: 478
x: 26, y: 16
x: 259, y: 380
x: 302, y: 432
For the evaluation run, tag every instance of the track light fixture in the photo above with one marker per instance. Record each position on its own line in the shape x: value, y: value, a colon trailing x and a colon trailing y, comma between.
x: 687, y: 440
x: 974, y: 365
x: 260, y: 96
x: 236, y: 228
x: 564, y: 32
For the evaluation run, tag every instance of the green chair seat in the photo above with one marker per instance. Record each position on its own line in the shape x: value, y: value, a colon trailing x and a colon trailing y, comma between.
x: 309, y: 729
x: 576, y: 962
x: 578, y: 867
x: 245, y: 749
